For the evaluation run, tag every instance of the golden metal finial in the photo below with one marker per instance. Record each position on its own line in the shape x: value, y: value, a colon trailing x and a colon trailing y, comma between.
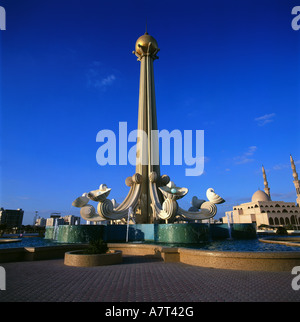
x: 146, y: 44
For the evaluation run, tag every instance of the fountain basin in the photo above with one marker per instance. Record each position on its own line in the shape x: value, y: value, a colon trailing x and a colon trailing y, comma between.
x: 74, y: 233
x: 247, y: 261
x: 251, y: 261
x: 9, y: 240
x: 287, y: 241
x: 80, y: 259
x: 240, y: 260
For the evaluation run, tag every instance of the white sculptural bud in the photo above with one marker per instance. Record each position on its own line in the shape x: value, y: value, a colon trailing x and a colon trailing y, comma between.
x: 103, y: 187
x: 213, y: 197
x: 171, y: 184
x: 197, y: 202
x: 81, y: 201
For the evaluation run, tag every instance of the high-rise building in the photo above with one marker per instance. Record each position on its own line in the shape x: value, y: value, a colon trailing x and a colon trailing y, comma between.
x: 59, y: 220
x: 41, y: 222
x: 11, y: 218
x: 52, y: 221
x: 71, y: 220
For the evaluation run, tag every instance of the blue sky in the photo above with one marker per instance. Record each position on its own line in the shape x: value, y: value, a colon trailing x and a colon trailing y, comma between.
x: 230, y: 68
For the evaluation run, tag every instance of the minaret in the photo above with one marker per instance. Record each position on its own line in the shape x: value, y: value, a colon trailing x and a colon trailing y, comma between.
x: 147, y: 158
x: 267, y: 189
x: 296, y: 180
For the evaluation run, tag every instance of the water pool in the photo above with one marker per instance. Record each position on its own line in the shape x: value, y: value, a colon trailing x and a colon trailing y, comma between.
x: 249, y: 245
x: 253, y: 245
x: 29, y: 242
x: 236, y: 245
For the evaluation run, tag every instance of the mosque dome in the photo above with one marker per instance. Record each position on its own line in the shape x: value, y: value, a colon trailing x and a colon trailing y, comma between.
x: 144, y: 41
x: 260, y: 195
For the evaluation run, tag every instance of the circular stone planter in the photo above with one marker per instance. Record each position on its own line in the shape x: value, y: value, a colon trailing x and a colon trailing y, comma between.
x: 80, y: 259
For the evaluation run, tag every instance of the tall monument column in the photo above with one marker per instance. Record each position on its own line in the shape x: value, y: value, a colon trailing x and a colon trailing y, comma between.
x: 147, y: 159
x: 296, y: 180
x: 152, y: 197
x: 267, y: 189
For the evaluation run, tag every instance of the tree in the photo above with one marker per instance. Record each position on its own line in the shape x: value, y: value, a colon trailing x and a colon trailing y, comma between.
x: 3, y: 227
x: 281, y: 231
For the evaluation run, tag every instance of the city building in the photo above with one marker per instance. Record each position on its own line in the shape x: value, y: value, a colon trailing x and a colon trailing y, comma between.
x: 71, y: 220
x: 261, y: 210
x: 66, y: 220
x: 41, y: 222
x: 51, y: 221
x: 11, y: 218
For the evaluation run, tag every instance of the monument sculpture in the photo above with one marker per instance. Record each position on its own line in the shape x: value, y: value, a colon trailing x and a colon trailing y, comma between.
x: 152, y: 196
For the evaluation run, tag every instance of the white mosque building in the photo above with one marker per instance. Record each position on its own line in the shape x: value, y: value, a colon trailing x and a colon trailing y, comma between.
x: 262, y: 210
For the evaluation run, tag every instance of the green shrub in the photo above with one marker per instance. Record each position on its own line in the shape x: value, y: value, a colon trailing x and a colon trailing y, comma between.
x: 281, y: 231
x: 97, y: 247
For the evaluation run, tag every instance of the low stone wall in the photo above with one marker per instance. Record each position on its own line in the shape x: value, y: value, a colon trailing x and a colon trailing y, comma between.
x: 168, y: 254
x: 36, y: 253
x: 12, y: 255
x: 137, y: 249
x: 50, y: 252
x: 252, y: 261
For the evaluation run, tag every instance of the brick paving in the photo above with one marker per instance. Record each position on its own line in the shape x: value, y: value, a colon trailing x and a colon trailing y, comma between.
x: 141, y: 279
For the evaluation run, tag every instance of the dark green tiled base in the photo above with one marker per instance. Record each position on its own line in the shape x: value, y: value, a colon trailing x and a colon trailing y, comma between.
x: 189, y: 233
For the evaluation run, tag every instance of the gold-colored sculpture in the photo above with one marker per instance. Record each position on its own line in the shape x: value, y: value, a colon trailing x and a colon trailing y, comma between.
x: 145, y: 43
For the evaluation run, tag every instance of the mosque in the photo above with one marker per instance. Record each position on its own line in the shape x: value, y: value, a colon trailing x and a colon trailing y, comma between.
x: 262, y: 210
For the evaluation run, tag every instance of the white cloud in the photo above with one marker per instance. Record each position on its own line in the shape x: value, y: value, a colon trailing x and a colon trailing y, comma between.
x: 265, y: 119
x: 94, y: 80
x: 281, y: 166
x: 246, y: 156
x: 107, y: 80
x: 99, y: 78
x: 23, y: 197
x: 284, y: 196
x: 251, y: 150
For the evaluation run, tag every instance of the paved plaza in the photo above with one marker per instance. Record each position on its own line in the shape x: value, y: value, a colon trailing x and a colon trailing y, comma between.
x: 141, y: 279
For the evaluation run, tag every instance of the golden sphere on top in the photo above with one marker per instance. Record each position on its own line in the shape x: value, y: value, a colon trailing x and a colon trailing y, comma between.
x: 144, y: 41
